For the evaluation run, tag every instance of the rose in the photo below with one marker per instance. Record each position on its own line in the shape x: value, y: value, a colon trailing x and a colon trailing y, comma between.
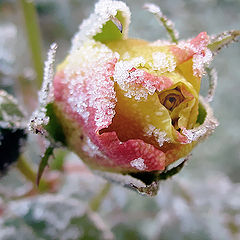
x: 128, y: 105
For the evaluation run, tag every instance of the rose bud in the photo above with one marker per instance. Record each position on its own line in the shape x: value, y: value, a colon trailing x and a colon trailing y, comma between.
x: 128, y: 105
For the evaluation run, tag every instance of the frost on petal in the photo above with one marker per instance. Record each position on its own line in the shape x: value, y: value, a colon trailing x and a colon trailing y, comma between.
x: 97, y: 23
x: 195, y: 49
x: 86, y: 86
x: 205, y: 129
x: 138, y: 163
x: 136, y: 82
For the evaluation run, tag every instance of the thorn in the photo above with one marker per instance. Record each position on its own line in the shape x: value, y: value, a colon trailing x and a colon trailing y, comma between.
x: 117, y: 23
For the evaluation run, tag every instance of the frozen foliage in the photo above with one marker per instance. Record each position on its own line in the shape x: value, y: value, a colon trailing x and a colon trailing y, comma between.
x: 212, y: 78
x: 104, y: 10
x: 8, y: 33
x: 11, y: 114
x: 39, y: 118
x: 59, y: 217
x: 168, y: 24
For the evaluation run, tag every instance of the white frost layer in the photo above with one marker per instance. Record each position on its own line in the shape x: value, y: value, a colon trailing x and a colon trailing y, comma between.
x: 39, y: 118
x: 203, y: 130
x: 91, y: 149
x: 128, y: 80
x: 163, y: 62
x: 104, y: 10
x: 138, y: 163
x: 202, y: 56
x: 160, y: 136
x: 89, y: 82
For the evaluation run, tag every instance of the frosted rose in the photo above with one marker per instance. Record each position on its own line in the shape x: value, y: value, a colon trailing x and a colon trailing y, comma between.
x: 128, y: 105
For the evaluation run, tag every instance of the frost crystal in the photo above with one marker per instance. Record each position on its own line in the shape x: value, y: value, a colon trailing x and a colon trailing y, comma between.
x: 203, y: 130
x: 39, y: 118
x: 91, y: 149
x: 104, y: 10
x: 89, y: 82
x: 201, y: 58
x: 160, y: 136
x: 163, y: 62
x: 138, y: 164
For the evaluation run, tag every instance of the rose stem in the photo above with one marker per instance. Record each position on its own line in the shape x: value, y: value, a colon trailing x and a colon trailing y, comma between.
x: 26, y: 170
x: 98, y: 199
x: 34, y: 37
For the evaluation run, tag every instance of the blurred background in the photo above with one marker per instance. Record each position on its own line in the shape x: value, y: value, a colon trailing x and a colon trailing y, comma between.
x: 201, y: 202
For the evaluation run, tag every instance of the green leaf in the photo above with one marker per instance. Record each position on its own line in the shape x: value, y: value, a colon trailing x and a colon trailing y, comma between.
x: 110, y: 30
x: 44, y: 162
x: 12, y: 130
x: 169, y: 173
x: 222, y: 40
x: 202, y: 113
x: 52, y: 217
x: 54, y: 127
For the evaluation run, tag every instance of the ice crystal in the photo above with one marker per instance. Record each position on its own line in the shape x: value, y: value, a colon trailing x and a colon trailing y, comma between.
x: 39, y: 118
x: 160, y: 136
x: 204, y: 130
x: 91, y: 149
x: 163, y: 62
x: 138, y: 164
x: 133, y: 82
x: 89, y: 82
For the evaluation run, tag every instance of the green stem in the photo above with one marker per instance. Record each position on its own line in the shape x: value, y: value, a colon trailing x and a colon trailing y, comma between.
x: 27, y: 171
x: 34, y: 37
x: 98, y: 199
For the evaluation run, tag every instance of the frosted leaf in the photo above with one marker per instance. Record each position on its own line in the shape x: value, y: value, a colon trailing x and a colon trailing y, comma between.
x: 138, y: 164
x: 39, y: 118
x: 11, y: 114
x: 168, y: 24
x: 222, y: 40
x: 212, y: 78
x: 131, y: 182
x: 104, y: 10
x: 205, y: 129
x: 8, y: 33
x: 59, y: 217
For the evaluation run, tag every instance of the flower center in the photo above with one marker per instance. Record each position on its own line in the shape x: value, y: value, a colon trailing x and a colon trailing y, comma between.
x: 170, y: 99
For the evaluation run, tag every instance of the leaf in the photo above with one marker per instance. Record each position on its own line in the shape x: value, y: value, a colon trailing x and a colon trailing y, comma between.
x: 111, y: 30
x: 51, y: 217
x: 54, y: 127
x: 167, y: 24
x: 169, y: 173
x: 12, y: 130
x: 201, y: 114
x: 222, y: 40
x: 44, y: 162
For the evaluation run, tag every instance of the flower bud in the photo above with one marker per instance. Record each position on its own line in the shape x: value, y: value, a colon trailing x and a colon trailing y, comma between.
x: 128, y: 105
